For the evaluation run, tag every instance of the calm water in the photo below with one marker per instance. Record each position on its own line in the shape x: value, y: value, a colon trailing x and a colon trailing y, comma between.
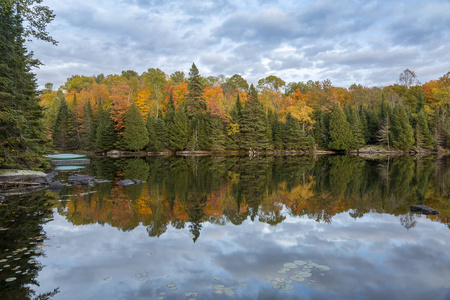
x: 337, y: 227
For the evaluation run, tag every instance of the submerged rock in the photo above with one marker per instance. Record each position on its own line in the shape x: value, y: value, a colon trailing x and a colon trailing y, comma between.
x: 130, y: 182
x: 78, y: 177
x: 426, y: 210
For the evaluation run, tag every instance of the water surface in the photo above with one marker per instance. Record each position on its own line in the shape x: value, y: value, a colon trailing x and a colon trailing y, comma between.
x: 336, y: 227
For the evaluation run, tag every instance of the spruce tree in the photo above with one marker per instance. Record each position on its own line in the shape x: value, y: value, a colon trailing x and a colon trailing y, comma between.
x: 357, y: 129
x: 424, y: 138
x: 178, y: 131
x: 87, y: 128
x: 157, y: 130
x: 195, y: 102
x: 292, y: 135
x: 253, y: 125
x: 402, y: 132
x: 106, y: 136
x: 22, y: 133
x: 135, y: 135
x: 341, y: 134
x: 60, y: 134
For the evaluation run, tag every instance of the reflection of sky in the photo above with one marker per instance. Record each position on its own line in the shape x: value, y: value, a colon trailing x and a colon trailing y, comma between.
x: 372, y: 257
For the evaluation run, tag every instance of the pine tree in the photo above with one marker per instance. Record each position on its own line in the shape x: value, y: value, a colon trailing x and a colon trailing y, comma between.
x: 106, y: 136
x: 157, y: 130
x: 178, y: 132
x: 217, y: 135
x: 135, y: 135
x: 253, y: 125
x: 402, y: 132
x: 60, y: 134
x: 87, y: 128
x: 357, y: 129
x: 292, y: 135
x: 22, y: 133
x: 341, y: 135
x: 195, y: 102
x: 424, y: 138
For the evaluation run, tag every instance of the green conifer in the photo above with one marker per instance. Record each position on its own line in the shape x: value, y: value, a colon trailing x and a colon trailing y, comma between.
x: 135, y: 135
x: 341, y: 134
x: 195, y: 102
x: 106, y: 136
x: 402, y: 132
x: 253, y: 127
x: 22, y: 133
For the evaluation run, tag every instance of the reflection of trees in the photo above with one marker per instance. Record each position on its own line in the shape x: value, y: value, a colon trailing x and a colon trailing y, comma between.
x: 194, y: 207
x: 21, y: 243
x: 193, y: 190
x: 409, y: 220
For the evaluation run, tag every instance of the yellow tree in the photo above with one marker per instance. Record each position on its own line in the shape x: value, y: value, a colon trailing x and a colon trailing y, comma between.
x: 299, y: 109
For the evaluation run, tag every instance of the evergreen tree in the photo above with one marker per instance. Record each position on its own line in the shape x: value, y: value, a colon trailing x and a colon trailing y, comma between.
x: 158, y: 140
x: 88, y: 128
x: 61, y: 134
x: 278, y: 130
x: 22, y: 133
x: 341, y: 135
x: 178, y: 132
x: 420, y: 101
x: 217, y: 135
x: 402, y: 132
x: 135, y: 135
x: 105, y: 136
x: 424, y: 138
x: 195, y: 102
x: 253, y: 125
x: 357, y: 129
x: 292, y: 135
x: 321, y: 128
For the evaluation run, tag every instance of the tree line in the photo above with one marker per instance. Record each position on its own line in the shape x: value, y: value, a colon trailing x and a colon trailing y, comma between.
x: 159, y: 112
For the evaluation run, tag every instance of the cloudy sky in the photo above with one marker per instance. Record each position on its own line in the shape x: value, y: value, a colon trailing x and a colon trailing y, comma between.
x: 348, y: 41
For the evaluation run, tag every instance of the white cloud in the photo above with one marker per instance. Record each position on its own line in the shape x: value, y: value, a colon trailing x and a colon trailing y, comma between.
x: 350, y: 40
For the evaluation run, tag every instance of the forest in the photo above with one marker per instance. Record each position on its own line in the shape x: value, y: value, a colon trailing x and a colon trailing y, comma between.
x: 159, y: 112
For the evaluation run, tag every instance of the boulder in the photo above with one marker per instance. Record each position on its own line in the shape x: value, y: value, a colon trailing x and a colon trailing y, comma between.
x: 55, y: 185
x: 423, y: 209
x: 78, y: 177
x: 126, y: 182
x: 130, y: 182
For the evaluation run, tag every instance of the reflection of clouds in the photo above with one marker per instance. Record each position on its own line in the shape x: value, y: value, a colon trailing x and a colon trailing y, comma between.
x: 373, y: 257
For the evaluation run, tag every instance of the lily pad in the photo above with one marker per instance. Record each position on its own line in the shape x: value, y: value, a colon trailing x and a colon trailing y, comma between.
x: 107, y: 278
x: 3, y: 260
x: 304, y: 274
x: 323, y: 268
x: 191, y: 294
x: 216, y: 277
x: 10, y: 279
x: 300, y: 262
x: 219, y: 287
x: 229, y: 292
x: 287, y: 287
x: 297, y: 278
x: 244, y: 284
x: 283, y: 270
x: 290, y: 265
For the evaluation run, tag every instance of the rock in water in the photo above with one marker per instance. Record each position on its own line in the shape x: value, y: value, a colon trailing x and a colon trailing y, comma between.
x: 426, y: 210
x: 126, y: 182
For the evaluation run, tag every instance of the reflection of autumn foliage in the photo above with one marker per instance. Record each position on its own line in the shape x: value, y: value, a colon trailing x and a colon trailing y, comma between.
x: 181, y: 192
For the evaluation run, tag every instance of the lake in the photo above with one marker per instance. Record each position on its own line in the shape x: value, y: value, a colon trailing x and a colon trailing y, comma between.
x: 287, y: 227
